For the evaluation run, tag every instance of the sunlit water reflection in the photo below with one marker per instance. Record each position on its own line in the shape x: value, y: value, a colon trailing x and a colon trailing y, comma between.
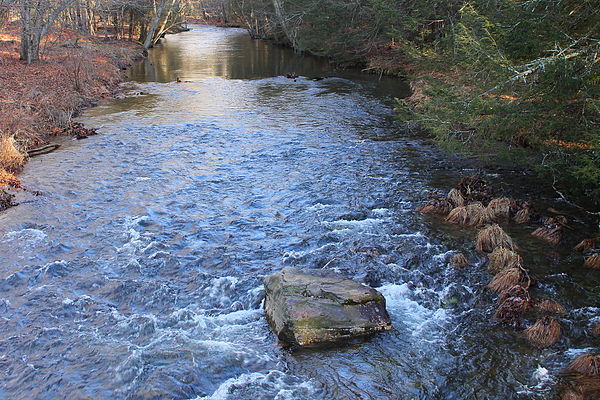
x: 138, y: 274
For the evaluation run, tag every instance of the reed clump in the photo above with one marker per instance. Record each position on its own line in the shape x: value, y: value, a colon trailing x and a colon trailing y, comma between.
x: 552, y: 230
x: 474, y: 214
x: 548, y: 306
x: 502, y: 258
x: 492, y: 237
x: 456, y: 198
x: 587, y: 245
x: 438, y: 206
x: 524, y: 213
x: 592, y: 261
x: 459, y: 260
x: 514, y: 291
x: 586, y: 365
x: 544, y: 333
x: 475, y: 189
x: 11, y: 159
x: 511, y: 310
x: 508, y: 278
x: 500, y: 208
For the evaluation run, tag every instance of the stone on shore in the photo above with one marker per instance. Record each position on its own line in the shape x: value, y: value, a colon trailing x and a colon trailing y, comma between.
x: 311, y: 308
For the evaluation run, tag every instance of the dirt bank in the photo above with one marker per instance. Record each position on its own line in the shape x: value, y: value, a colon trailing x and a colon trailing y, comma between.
x: 39, y: 101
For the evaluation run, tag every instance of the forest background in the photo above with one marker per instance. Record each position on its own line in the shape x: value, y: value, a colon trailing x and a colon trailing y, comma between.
x: 514, y: 81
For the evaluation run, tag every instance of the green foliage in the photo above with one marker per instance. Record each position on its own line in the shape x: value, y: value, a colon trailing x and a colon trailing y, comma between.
x: 500, y: 77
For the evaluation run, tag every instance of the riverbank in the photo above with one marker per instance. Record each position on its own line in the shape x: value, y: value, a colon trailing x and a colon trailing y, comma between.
x: 39, y: 101
x: 493, y: 82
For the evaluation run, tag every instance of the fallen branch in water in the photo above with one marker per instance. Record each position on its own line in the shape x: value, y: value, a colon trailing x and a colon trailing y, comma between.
x: 43, y: 150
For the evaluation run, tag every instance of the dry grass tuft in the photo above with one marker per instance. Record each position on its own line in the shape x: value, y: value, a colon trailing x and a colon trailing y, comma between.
x: 437, y: 206
x: 552, y: 230
x: 549, y: 306
x: 585, y: 364
x: 596, y: 330
x: 459, y: 260
x: 587, y: 245
x: 524, y: 213
x: 511, y: 310
x: 515, y: 292
x: 456, y: 198
x: 508, y: 278
x: 544, y: 333
x: 492, y: 237
x: 11, y: 158
x: 6, y: 200
x: 500, y: 207
x: 474, y: 214
x: 571, y: 394
x: 475, y: 189
x: 502, y: 258
x: 587, y: 386
x: 593, y: 261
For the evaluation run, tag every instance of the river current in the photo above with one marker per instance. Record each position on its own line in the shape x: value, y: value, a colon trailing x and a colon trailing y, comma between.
x: 138, y: 273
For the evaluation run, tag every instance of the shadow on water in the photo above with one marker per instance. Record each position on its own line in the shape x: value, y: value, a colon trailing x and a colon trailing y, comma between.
x: 138, y: 274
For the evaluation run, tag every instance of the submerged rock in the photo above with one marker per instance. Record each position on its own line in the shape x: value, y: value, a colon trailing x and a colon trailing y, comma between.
x: 310, y: 308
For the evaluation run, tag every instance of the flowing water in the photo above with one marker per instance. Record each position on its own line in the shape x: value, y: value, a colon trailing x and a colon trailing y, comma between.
x: 137, y: 274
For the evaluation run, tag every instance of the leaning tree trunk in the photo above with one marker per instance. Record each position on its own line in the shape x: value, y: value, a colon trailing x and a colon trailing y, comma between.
x: 154, y: 25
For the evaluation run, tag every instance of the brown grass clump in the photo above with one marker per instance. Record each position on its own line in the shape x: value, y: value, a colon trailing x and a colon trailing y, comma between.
x: 456, y: 198
x: 459, y: 260
x: 475, y: 189
x: 514, y: 291
x: 6, y: 200
x: 585, y: 364
x: 502, y: 258
x: 587, y: 245
x: 500, y: 207
x: 593, y: 261
x: 524, y: 213
x: 549, y: 306
x: 11, y: 158
x: 511, y: 310
x: 596, y: 330
x: 586, y: 386
x: 544, y: 333
x: 474, y: 214
x: 493, y: 237
x: 508, y: 278
x: 552, y: 230
x: 435, y: 206
x: 571, y: 394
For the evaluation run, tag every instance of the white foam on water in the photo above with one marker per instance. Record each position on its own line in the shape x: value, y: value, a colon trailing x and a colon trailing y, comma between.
x: 318, y: 206
x: 28, y: 237
x: 271, y: 385
x: 409, y: 313
x: 342, y: 224
x: 380, y: 211
x: 578, y: 352
x: 418, y: 235
x: 541, y: 375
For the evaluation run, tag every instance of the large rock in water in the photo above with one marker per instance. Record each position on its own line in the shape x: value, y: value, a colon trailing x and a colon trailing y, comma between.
x: 314, y: 308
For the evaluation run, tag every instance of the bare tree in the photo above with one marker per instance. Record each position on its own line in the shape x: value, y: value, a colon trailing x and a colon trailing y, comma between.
x: 37, y: 18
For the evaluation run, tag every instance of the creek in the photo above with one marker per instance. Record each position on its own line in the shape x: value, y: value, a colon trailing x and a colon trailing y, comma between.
x: 138, y: 273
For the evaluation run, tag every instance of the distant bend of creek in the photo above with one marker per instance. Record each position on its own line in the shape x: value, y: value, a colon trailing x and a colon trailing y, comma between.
x: 138, y: 273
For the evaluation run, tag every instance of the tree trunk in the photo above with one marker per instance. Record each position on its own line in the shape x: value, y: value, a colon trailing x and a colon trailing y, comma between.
x: 154, y: 25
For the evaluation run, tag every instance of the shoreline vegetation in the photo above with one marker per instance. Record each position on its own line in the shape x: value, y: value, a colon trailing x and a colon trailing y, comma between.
x: 502, y: 82
x: 59, y: 57
x: 40, y: 100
